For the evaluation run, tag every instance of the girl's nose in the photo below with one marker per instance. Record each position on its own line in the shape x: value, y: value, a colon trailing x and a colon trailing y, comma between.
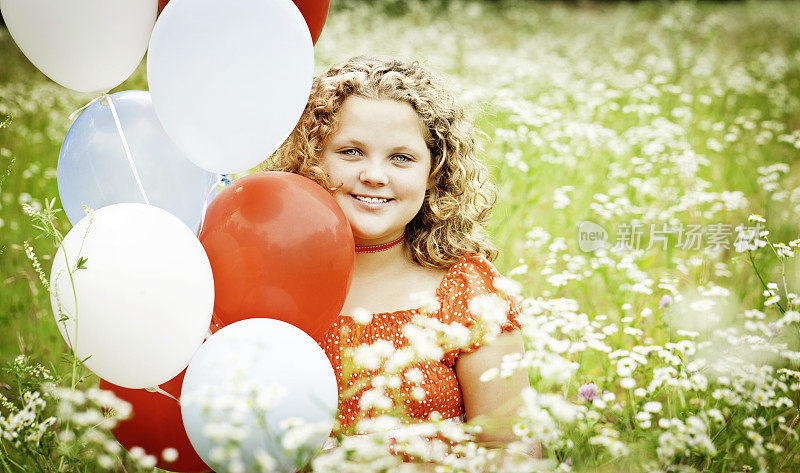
x: 374, y: 174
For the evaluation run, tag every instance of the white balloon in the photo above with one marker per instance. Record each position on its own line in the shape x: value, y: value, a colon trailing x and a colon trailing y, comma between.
x: 233, y: 380
x: 229, y: 80
x: 144, y: 300
x: 85, y: 45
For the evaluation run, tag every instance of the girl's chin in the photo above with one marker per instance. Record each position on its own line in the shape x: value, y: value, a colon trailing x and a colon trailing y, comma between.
x: 368, y: 228
x: 363, y: 238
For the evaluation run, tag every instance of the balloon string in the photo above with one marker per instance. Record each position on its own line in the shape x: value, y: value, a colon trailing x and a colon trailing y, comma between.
x: 127, y: 149
x: 74, y: 115
x: 210, y: 187
x: 161, y: 391
x: 222, y: 179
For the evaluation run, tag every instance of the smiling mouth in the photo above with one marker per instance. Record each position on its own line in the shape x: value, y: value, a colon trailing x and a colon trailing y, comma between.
x: 371, y: 200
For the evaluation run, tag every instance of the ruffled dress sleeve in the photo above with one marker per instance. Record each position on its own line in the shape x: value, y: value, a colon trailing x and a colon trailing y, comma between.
x: 468, y: 297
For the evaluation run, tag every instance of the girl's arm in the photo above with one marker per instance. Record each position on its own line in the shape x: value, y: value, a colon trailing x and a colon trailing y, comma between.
x: 493, y: 403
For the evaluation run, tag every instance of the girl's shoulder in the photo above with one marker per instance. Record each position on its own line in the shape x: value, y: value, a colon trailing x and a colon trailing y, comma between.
x: 470, y: 296
x: 471, y: 276
x: 471, y: 272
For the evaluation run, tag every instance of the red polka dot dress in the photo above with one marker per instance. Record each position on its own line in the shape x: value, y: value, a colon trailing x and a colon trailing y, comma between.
x: 470, y: 276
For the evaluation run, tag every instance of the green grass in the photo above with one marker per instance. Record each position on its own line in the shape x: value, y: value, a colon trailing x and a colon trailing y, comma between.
x: 545, y: 70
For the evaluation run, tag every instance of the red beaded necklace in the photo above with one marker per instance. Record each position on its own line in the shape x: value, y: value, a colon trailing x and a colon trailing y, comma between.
x: 381, y: 247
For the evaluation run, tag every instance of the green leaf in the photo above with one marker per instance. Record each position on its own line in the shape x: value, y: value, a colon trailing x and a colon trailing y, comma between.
x: 67, y: 357
x: 81, y: 263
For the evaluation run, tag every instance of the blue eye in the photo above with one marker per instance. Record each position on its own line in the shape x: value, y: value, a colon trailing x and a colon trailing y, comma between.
x: 403, y: 158
x: 347, y: 152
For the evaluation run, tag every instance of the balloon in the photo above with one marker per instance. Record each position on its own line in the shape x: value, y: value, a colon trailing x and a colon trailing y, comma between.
x: 315, y: 13
x: 144, y: 298
x: 230, y: 98
x: 156, y: 425
x: 85, y: 45
x: 280, y: 247
x: 236, y: 378
x: 94, y: 170
x: 156, y: 422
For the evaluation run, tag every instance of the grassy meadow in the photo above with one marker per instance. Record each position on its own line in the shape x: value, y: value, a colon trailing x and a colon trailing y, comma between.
x: 676, y: 122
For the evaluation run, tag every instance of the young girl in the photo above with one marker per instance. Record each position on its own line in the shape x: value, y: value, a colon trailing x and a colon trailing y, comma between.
x: 398, y: 154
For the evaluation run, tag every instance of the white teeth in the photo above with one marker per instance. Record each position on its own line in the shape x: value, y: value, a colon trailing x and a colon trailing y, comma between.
x: 373, y: 200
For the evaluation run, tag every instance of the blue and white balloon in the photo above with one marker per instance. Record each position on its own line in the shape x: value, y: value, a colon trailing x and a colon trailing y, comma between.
x: 93, y: 168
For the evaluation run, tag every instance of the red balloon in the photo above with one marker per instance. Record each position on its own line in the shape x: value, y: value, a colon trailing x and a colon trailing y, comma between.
x: 156, y: 424
x: 216, y: 324
x: 281, y: 248
x: 315, y: 13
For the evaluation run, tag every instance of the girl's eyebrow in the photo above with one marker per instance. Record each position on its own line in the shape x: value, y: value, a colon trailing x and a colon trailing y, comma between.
x: 405, y: 149
x: 344, y: 141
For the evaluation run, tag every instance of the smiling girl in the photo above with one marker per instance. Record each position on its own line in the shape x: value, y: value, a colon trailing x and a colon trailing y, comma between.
x: 399, y: 156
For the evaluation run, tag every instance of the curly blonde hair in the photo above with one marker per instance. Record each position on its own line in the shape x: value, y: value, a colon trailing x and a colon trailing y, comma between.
x: 459, y: 202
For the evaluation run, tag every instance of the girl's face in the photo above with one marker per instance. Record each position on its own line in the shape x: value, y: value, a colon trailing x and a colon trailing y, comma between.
x: 380, y: 157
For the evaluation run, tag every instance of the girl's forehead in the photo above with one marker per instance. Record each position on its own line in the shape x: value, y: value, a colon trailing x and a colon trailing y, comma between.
x: 368, y: 118
x: 357, y: 106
